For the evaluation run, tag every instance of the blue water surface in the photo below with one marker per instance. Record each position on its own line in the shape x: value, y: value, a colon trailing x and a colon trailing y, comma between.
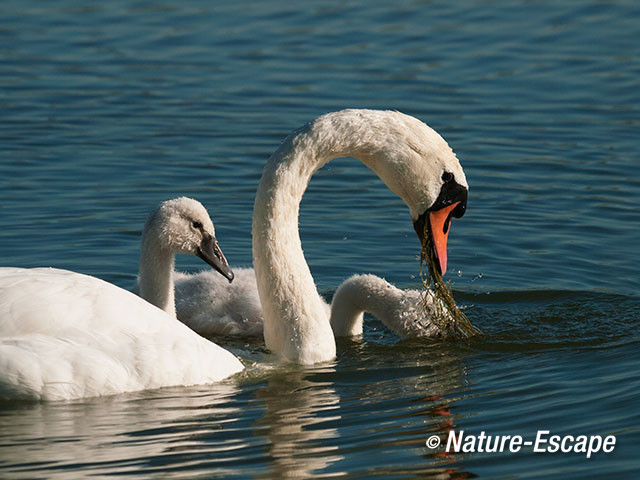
x: 108, y: 108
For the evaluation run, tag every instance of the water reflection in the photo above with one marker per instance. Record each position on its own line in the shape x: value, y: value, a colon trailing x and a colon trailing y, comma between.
x: 300, y: 422
x: 118, y: 434
x: 401, y: 398
x: 353, y: 421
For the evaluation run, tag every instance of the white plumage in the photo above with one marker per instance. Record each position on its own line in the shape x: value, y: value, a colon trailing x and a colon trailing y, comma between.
x: 408, y: 313
x: 211, y: 306
x: 66, y: 335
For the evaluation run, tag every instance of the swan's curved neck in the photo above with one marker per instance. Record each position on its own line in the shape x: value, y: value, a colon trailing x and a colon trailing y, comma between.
x: 155, y: 274
x: 296, y: 324
x: 360, y: 294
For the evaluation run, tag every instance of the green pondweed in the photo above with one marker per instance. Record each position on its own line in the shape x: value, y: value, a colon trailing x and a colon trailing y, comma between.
x: 437, y: 299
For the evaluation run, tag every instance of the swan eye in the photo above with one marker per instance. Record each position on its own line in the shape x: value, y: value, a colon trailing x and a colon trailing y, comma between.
x: 196, y: 225
x: 447, y: 177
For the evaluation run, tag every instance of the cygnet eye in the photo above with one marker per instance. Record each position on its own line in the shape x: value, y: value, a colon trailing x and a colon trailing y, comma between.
x: 447, y: 177
x: 196, y: 225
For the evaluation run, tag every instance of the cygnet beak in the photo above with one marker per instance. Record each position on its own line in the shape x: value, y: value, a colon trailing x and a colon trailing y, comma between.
x: 210, y: 252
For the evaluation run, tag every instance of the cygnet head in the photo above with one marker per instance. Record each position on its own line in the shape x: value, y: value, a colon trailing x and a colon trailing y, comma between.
x: 183, y: 225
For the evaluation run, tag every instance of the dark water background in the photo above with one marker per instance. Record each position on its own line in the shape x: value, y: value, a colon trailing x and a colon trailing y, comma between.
x: 108, y: 108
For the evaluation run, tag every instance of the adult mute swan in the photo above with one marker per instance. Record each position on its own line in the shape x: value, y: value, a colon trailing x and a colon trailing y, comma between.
x: 64, y: 335
x: 407, y: 155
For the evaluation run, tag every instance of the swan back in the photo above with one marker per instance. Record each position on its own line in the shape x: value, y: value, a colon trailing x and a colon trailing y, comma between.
x: 65, y: 335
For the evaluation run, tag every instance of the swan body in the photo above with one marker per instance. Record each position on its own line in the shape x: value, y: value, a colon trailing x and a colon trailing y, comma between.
x: 65, y: 335
x: 407, y: 155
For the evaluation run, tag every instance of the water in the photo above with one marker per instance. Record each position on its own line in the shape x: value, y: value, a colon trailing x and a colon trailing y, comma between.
x: 108, y: 109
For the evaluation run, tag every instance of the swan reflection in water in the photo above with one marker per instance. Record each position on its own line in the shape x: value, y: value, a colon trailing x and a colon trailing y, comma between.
x: 331, y: 420
x: 131, y: 433
x: 300, y: 422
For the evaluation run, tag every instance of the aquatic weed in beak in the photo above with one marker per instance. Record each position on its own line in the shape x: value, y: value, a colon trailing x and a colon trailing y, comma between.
x: 446, y: 315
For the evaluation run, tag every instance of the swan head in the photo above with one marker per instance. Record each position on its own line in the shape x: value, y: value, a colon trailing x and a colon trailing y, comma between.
x: 421, y: 168
x: 432, y: 226
x: 183, y: 225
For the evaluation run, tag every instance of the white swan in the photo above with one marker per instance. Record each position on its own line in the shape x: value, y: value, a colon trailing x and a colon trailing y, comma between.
x: 65, y: 335
x: 408, y: 156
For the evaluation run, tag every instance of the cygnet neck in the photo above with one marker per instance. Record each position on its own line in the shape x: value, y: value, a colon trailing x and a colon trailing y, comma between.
x: 155, y: 270
x: 360, y: 294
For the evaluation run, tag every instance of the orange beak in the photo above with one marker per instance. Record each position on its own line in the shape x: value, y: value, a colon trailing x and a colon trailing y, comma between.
x: 439, y: 222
